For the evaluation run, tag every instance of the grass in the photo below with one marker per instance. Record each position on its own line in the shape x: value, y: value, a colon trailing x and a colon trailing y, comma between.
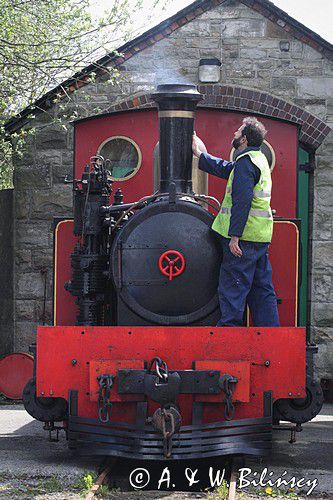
x: 50, y: 485
x: 220, y: 493
x: 27, y: 487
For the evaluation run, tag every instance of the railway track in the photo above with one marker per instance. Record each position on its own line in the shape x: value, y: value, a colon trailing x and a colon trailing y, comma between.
x: 106, y: 467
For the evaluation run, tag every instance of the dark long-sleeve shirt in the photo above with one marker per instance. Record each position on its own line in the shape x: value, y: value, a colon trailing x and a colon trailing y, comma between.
x: 246, y: 176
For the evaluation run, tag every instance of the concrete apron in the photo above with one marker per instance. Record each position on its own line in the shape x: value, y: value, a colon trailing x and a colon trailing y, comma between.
x: 25, y: 450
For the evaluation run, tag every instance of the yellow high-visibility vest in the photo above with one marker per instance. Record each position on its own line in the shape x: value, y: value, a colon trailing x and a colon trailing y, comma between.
x: 259, y: 225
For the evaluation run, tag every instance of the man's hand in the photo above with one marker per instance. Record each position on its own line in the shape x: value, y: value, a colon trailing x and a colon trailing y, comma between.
x: 234, y: 246
x: 198, y: 146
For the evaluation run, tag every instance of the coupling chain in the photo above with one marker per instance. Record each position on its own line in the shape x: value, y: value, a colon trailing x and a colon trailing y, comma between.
x: 168, y: 430
x: 161, y: 369
x: 228, y: 383
x: 104, y: 404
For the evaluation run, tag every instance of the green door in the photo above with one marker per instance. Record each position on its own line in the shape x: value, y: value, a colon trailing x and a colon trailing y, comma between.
x: 303, y: 214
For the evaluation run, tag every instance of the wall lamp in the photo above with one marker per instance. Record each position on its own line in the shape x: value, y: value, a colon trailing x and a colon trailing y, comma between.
x: 209, y: 70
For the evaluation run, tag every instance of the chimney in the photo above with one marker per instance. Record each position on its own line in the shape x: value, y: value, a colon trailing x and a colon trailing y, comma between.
x: 176, y: 106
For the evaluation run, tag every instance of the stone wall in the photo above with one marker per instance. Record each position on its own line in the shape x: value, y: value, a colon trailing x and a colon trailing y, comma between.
x: 40, y: 194
x: 256, y: 54
x: 6, y: 272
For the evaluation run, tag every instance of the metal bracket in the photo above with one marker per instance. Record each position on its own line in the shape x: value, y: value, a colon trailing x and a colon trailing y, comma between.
x: 292, y: 429
x: 307, y: 167
x: 191, y: 381
x: 50, y: 427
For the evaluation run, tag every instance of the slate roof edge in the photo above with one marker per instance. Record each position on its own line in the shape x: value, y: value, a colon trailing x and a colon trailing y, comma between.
x: 160, y: 31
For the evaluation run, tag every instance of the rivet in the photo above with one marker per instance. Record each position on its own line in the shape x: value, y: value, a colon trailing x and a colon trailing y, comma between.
x: 51, y: 393
x: 289, y: 394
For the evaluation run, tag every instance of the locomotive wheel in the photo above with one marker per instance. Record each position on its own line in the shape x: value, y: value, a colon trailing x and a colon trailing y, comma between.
x: 301, y: 410
x: 43, y: 409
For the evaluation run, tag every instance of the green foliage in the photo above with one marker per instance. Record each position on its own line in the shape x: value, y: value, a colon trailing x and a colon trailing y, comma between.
x: 10, y: 146
x: 43, y: 42
x: 220, y: 493
x: 86, y: 481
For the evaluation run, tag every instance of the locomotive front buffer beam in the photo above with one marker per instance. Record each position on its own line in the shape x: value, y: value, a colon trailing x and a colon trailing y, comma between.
x: 144, y: 384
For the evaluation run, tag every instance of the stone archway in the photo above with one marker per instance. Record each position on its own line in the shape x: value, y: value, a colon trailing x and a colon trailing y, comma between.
x: 313, y: 130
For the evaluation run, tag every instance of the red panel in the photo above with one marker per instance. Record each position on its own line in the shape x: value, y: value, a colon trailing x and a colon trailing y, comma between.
x: 179, y: 347
x: 284, y: 259
x: 141, y: 127
x: 64, y: 308
x: 216, y: 129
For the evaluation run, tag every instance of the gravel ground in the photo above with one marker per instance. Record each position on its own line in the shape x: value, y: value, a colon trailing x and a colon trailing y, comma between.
x: 31, y: 467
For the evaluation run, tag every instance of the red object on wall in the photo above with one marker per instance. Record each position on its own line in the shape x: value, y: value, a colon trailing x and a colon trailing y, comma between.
x: 179, y: 347
x: 15, y: 371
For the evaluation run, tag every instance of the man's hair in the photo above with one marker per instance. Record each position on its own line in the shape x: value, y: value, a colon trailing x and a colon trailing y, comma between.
x: 254, y: 131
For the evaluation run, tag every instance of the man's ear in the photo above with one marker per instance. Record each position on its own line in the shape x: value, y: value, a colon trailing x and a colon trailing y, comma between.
x: 243, y: 139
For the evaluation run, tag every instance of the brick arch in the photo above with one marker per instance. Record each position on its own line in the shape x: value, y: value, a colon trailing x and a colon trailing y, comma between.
x: 313, y: 130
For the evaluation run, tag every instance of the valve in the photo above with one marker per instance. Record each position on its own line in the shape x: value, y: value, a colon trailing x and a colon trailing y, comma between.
x: 171, y: 263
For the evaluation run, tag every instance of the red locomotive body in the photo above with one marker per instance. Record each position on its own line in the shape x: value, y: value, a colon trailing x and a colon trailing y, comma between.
x: 145, y: 373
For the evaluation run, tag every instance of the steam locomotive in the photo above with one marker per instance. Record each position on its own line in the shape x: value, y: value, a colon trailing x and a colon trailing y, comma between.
x: 144, y: 373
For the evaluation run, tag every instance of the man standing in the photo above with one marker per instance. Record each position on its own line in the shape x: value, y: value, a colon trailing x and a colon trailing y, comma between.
x: 245, y: 223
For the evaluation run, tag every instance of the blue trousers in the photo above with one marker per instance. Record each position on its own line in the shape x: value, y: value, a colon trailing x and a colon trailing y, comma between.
x: 247, y: 280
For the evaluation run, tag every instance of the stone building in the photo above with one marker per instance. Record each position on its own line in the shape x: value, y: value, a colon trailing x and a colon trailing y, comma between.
x: 270, y: 65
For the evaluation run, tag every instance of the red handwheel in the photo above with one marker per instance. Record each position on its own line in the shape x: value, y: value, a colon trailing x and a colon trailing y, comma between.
x: 171, y: 263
